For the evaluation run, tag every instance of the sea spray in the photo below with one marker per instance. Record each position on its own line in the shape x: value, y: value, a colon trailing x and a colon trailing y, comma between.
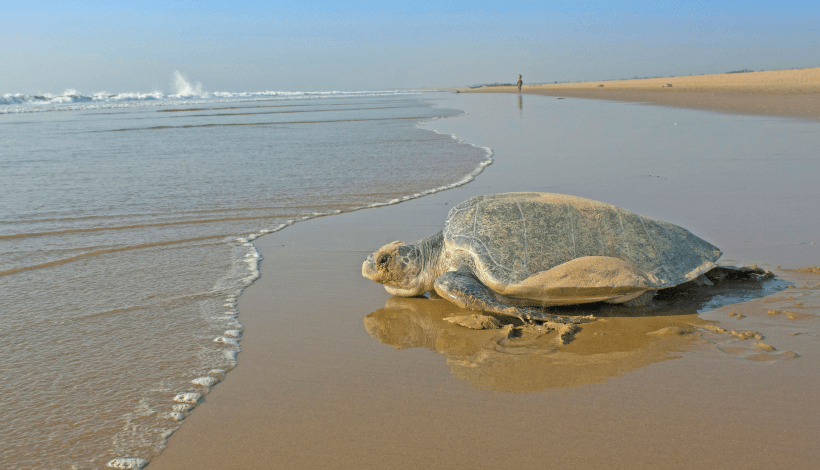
x: 184, y: 89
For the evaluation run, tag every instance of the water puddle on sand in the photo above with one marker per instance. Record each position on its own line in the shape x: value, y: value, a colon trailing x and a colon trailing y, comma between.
x: 776, y: 327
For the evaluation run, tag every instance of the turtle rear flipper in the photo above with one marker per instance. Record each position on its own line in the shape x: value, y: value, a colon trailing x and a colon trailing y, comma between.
x: 582, y: 280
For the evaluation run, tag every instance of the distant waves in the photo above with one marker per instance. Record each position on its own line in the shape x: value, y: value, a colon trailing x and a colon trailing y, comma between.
x: 71, y: 100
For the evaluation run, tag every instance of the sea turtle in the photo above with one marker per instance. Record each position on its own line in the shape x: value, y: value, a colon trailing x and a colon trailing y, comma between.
x: 506, y: 253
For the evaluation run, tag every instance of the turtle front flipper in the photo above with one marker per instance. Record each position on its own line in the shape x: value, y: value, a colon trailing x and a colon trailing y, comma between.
x: 465, y: 290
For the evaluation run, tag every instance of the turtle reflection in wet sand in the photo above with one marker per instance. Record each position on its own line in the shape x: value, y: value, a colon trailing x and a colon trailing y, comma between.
x: 515, y: 254
x: 530, y: 356
x: 526, y: 358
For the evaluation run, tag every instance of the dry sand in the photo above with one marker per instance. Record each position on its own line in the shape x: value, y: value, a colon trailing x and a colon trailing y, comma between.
x: 791, y: 93
x: 334, y: 373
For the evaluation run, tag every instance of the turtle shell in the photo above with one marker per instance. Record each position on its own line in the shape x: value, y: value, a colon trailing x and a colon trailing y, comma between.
x: 513, y: 237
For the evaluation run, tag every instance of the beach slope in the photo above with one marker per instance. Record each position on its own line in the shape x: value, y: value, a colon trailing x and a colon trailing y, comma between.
x: 787, y: 93
x: 334, y: 373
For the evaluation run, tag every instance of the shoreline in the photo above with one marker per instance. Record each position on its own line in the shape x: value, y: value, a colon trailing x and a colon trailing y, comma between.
x: 209, y: 236
x: 784, y: 93
x: 315, y: 388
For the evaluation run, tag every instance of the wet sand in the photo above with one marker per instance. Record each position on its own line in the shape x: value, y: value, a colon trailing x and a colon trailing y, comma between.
x: 788, y: 93
x: 334, y: 373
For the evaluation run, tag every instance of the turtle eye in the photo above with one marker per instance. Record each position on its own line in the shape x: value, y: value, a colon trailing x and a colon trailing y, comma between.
x: 383, y: 259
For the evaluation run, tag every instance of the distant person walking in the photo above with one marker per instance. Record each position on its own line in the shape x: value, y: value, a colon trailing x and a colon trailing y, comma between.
x: 519, y: 82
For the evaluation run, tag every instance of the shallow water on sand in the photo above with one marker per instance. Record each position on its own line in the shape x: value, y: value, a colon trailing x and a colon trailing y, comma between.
x: 124, y: 241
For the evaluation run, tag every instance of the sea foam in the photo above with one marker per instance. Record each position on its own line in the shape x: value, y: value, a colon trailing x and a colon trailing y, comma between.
x: 186, y: 93
x: 187, y: 397
x: 128, y: 463
x: 205, y: 381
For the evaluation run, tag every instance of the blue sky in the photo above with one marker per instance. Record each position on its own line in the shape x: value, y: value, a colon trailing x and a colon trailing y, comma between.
x: 124, y: 46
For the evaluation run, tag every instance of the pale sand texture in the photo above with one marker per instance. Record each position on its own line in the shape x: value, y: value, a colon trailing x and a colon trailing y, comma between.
x: 792, y: 93
x: 319, y: 384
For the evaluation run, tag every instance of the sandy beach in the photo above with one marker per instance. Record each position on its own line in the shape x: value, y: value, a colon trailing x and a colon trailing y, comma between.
x: 788, y: 93
x: 334, y: 373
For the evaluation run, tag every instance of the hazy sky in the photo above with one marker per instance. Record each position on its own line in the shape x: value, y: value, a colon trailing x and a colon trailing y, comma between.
x: 121, y: 46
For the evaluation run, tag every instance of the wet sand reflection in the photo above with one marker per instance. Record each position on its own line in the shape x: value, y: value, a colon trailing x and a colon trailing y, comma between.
x: 524, y: 358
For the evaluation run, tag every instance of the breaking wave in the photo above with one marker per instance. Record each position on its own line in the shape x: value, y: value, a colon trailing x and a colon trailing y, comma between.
x: 185, y: 92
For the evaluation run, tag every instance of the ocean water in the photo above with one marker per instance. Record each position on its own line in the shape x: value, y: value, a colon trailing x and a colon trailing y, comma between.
x: 126, y: 230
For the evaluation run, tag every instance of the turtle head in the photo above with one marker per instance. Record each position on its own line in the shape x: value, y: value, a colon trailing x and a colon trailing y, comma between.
x: 399, y: 266
x: 406, y: 270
